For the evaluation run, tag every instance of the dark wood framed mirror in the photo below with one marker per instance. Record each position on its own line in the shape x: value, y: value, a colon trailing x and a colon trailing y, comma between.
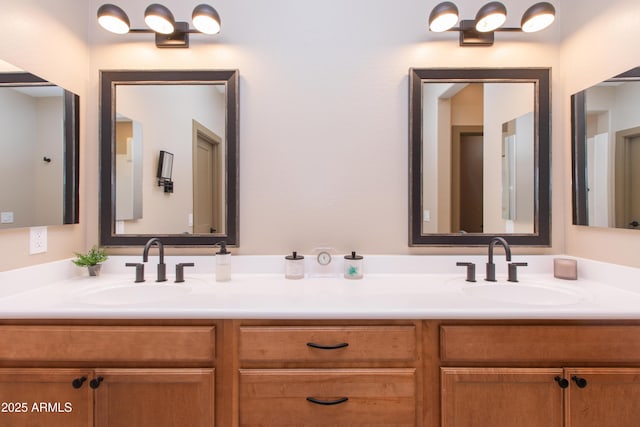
x: 605, y: 127
x: 41, y: 152
x: 479, y: 156
x: 194, y: 116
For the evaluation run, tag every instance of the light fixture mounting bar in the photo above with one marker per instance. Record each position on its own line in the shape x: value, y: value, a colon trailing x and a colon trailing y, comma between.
x: 179, y: 38
x: 469, y: 36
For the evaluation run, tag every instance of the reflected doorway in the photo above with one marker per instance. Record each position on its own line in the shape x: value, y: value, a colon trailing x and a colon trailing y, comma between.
x: 467, y: 179
x: 207, y: 181
x: 628, y: 179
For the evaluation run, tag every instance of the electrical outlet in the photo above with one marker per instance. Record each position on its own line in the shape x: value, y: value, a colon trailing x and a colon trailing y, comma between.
x: 37, y: 240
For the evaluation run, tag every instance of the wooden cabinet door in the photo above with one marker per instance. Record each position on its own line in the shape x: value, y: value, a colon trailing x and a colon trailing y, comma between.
x: 155, y: 398
x: 501, y: 397
x: 45, y: 397
x: 608, y: 397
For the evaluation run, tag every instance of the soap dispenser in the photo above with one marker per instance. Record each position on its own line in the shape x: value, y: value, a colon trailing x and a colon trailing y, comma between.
x: 223, y: 263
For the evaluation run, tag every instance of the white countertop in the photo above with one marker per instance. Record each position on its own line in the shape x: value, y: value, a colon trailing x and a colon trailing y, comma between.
x: 428, y: 287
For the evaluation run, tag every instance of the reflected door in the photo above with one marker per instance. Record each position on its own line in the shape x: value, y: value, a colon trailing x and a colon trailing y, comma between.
x: 471, y: 183
x: 632, y: 176
x: 204, y: 220
x: 597, y: 180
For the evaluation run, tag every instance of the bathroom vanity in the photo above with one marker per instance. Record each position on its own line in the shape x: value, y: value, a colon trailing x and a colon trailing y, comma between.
x: 413, y: 349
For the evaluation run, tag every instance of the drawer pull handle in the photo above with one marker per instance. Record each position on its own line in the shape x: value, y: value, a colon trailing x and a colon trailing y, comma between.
x: 95, y: 383
x: 562, y: 382
x: 328, y: 347
x: 327, y: 402
x: 580, y: 382
x: 77, y: 383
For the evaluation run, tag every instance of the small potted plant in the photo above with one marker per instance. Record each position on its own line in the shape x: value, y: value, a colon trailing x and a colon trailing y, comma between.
x: 92, y: 260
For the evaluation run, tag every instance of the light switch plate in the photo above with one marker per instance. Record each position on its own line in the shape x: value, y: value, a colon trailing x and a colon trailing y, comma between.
x: 6, y: 217
x: 37, y: 240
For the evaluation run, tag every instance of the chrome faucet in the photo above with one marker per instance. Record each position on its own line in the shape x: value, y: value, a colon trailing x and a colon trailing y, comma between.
x: 491, y: 267
x: 162, y: 268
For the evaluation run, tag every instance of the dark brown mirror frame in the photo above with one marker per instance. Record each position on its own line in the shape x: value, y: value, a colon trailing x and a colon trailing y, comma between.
x: 541, y: 78
x: 71, y: 142
x: 108, y: 82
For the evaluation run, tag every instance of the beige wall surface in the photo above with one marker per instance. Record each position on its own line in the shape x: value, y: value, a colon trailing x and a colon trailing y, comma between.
x: 323, y: 108
x: 323, y: 111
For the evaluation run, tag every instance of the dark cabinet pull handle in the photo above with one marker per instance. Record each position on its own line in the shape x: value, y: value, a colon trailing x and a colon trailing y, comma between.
x: 328, y: 347
x: 580, y: 382
x: 77, y: 383
x: 562, y: 382
x: 95, y: 383
x: 327, y: 402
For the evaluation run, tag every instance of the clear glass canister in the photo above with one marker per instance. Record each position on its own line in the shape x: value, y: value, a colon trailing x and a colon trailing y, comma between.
x: 294, y: 266
x: 353, y: 266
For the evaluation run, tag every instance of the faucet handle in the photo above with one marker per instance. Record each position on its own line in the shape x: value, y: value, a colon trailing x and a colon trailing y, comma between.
x: 180, y: 270
x: 471, y: 270
x: 513, y: 270
x: 162, y: 272
x: 139, y: 270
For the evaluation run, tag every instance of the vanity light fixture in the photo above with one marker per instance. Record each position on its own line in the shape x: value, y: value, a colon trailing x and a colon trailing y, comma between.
x: 489, y: 19
x: 160, y: 20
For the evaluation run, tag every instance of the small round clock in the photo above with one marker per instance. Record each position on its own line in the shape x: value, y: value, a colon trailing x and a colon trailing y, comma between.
x: 324, y: 258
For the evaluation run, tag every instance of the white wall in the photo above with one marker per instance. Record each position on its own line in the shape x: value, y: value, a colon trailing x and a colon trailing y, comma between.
x: 49, y: 39
x: 598, y: 43
x: 323, y: 110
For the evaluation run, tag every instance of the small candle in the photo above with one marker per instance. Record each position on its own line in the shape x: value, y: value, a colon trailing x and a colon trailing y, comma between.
x: 564, y: 268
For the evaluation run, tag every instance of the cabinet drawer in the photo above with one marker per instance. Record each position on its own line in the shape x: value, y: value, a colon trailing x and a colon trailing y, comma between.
x: 381, y: 397
x: 540, y: 344
x: 327, y: 344
x: 110, y: 344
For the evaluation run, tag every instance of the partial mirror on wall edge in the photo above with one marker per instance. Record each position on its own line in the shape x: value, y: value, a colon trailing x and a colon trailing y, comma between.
x: 42, y: 159
x: 605, y: 124
x: 478, y: 172
x: 169, y: 157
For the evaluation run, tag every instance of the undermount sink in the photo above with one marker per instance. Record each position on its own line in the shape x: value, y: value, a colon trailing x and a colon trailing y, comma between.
x: 132, y: 293
x: 525, y: 293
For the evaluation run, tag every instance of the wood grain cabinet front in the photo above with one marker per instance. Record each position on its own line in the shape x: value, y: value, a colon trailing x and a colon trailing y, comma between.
x: 533, y: 375
x: 45, y: 397
x: 107, y: 376
x: 94, y: 345
x: 106, y: 397
x: 326, y: 374
x: 328, y: 397
x: 318, y: 344
x: 501, y: 397
x: 154, y: 397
